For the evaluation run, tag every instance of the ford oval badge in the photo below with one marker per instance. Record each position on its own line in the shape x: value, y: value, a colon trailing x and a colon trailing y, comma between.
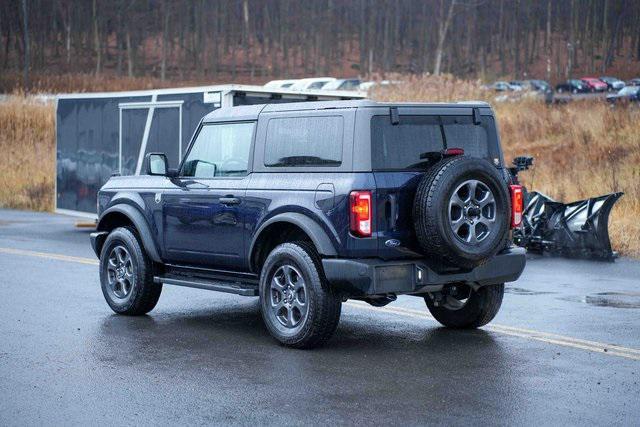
x: 392, y: 243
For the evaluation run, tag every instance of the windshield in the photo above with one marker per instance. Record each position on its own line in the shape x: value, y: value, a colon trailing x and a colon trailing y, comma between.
x: 407, y: 145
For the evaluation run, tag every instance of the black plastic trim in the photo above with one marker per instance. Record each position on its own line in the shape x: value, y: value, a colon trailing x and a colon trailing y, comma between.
x: 210, y: 285
x: 97, y: 241
x: 318, y: 236
x: 375, y: 276
x: 139, y: 223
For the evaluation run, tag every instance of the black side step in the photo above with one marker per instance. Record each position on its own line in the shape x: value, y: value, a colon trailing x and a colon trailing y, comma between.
x: 239, y: 288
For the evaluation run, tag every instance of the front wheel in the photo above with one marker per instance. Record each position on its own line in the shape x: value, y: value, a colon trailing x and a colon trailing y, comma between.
x: 126, y: 274
x: 463, y: 308
x: 299, y: 307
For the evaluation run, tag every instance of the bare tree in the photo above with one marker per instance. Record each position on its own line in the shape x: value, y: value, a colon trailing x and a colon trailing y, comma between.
x: 249, y: 39
x: 165, y: 39
x: 96, y: 37
x: 445, y: 21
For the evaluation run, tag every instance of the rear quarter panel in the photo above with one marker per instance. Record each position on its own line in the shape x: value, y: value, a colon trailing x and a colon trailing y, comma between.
x: 323, y: 197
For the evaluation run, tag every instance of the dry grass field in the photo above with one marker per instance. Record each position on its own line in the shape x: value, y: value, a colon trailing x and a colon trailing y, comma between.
x: 582, y: 149
x: 27, y: 144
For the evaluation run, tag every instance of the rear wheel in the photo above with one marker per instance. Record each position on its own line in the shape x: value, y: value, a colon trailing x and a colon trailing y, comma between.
x: 126, y: 274
x: 298, y: 306
x: 461, y: 307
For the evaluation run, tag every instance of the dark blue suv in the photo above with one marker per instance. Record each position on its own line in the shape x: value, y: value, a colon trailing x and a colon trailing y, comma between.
x: 306, y: 205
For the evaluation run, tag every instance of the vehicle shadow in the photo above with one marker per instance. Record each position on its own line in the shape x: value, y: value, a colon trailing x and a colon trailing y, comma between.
x: 231, y: 325
x: 372, y: 360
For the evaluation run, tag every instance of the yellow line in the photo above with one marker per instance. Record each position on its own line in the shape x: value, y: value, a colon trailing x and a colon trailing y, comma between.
x: 550, y: 338
x: 519, y: 330
x: 48, y: 255
x: 546, y: 337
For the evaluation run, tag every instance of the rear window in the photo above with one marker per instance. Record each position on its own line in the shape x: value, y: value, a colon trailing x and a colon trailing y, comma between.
x: 403, y: 146
x: 304, y: 141
x: 399, y: 146
x: 460, y: 132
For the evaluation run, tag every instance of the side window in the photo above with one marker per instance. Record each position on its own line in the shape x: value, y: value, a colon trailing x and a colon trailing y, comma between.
x: 220, y: 150
x: 304, y: 141
x: 460, y: 132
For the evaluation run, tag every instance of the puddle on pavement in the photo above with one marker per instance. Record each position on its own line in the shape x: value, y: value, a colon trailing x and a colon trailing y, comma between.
x: 522, y: 291
x: 608, y: 299
x: 614, y: 299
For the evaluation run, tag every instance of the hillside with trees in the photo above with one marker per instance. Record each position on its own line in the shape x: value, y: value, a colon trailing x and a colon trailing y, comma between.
x: 254, y: 40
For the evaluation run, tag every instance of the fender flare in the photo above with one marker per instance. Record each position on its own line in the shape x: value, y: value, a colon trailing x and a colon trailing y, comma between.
x: 139, y: 222
x: 316, y: 233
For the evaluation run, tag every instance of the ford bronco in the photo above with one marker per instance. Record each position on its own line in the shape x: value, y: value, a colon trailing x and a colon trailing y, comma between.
x: 307, y: 205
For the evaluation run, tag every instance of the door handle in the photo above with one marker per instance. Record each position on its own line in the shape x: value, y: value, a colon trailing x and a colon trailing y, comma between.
x: 229, y: 200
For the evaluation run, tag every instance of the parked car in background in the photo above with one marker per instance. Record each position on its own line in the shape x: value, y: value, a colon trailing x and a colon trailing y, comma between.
x: 504, y: 86
x: 280, y: 84
x: 634, y: 82
x: 539, y: 85
x: 343, y: 84
x: 594, y: 85
x: 573, y: 86
x: 613, y: 84
x: 313, y: 83
x: 517, y: 85
x: 626, y: 94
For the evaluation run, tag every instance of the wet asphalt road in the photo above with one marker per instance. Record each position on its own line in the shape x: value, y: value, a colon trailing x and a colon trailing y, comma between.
x: 206, y: 358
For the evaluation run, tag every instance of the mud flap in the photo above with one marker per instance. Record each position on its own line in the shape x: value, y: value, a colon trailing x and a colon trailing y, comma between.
x: 577, y: 230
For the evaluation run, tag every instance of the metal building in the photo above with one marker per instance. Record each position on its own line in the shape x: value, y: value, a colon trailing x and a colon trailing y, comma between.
x: 98, y: 134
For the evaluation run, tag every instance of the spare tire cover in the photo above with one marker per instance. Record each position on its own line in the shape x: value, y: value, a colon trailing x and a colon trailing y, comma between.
x: 461, y: 212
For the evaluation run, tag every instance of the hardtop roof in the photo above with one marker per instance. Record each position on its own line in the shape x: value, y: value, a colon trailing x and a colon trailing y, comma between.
x: 251, y: 112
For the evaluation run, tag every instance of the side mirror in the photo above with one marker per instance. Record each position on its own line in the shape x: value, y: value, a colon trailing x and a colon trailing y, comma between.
x: 156, y: 164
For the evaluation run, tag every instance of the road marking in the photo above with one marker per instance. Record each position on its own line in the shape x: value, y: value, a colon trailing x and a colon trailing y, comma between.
x: 546, y: 337
x: 49, y: 255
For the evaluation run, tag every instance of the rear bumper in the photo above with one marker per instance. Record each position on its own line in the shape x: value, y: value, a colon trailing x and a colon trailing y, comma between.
x: 375, y: 276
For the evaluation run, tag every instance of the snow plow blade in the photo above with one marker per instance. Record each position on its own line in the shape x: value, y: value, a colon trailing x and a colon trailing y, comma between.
x: 576, y: 230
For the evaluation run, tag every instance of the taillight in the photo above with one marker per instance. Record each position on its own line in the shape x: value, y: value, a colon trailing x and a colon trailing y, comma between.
x: 517, y: 205
x: 360, y: 211
x: 453, y: 152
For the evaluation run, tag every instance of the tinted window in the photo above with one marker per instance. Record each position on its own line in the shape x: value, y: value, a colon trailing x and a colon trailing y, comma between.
x: 304, y: 141
x: 317, y: 85
x: 403, y: 146
x: 400, y: 146
x: 220, y: 150
x: 460, y: 132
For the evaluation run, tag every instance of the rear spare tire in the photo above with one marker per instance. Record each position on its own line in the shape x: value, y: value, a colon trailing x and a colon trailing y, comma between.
x: 461, y: 212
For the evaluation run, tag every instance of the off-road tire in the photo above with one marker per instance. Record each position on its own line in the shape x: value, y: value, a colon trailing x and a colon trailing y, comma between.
x: 324, y: 304
x: 431, y: 213
x: 144, y: 293
x: 481, y: 307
